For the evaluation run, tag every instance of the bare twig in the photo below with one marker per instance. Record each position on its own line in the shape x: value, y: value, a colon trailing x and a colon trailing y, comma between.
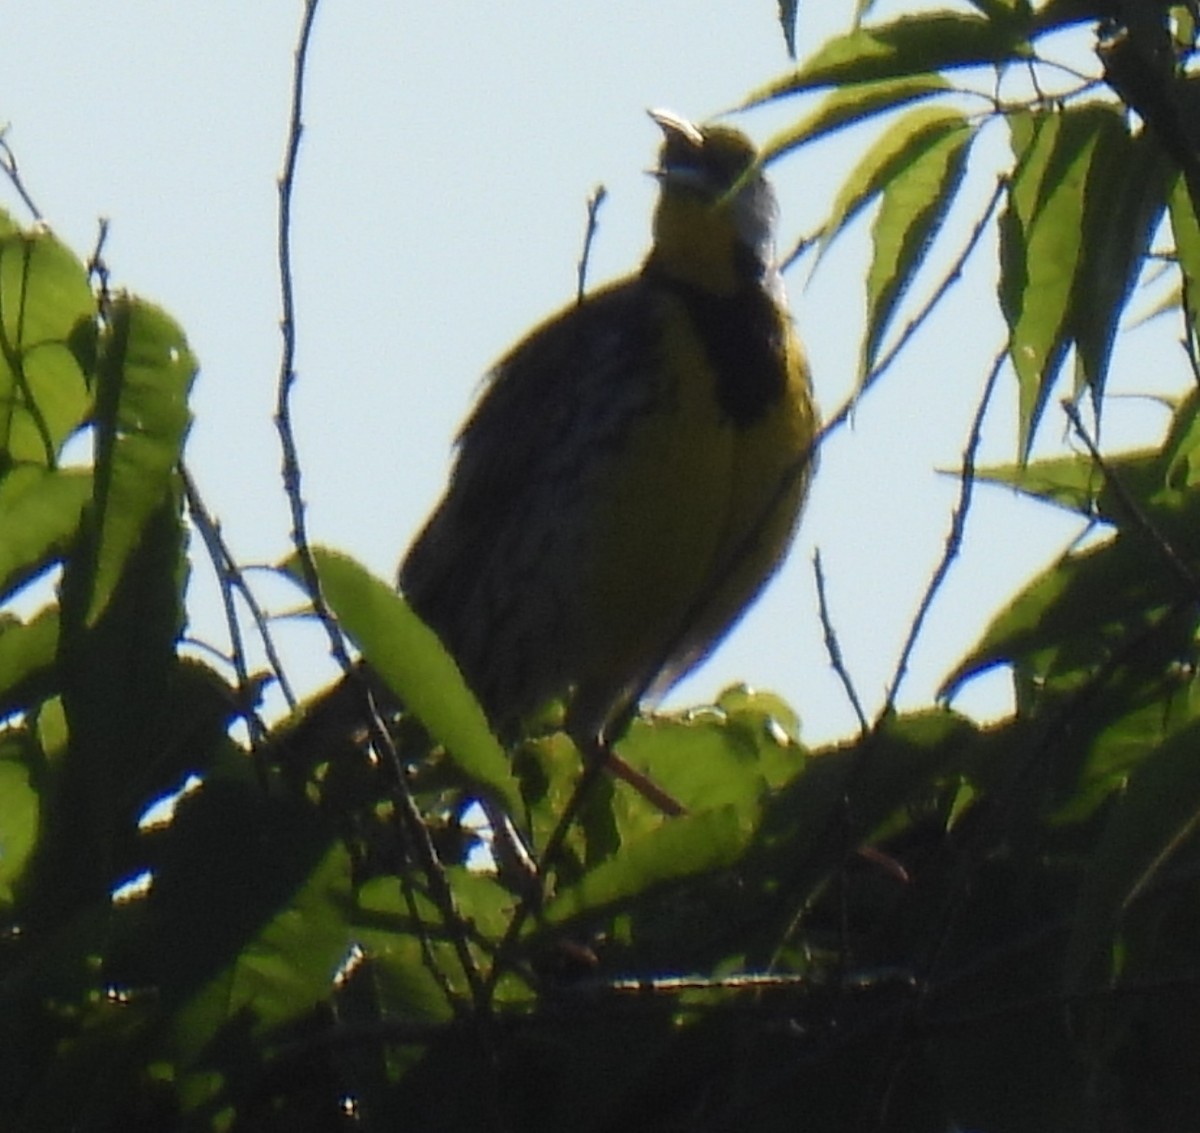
x: 1170, y: 555
x: 839, y: 823
x: 593, y: 766
x: 231, y: 581
x: 411, y: 826
x: 914, y: 324
x: 798, y: 249
x: 596, y: 199
x: 287, y: 361
x: 8, y: 165
x: 834, y: 649
x: 97, y: 266
x: 953, y: 538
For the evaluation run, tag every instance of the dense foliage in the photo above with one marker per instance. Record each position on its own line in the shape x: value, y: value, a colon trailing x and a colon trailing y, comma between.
x: 933, y: 924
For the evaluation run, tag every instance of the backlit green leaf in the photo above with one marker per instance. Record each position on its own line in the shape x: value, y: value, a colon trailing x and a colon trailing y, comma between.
x: 411, y: 659
x: 1124, y: 198
x: 1186, y: 230
x: 145, y: 373
x: 1041, y: 244
x: 915, y: 202
x: 39, y: 515
x: 683, y: 847
x: 1068, y: 620
x: 44, y: 300
x: 916, y: 44
x: 27, y: 650
x: 897, y: 148
x: 1182, y: 448
x: 846, y: 105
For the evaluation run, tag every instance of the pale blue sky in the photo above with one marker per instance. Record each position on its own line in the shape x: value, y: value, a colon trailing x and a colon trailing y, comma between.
x: 448, y: 156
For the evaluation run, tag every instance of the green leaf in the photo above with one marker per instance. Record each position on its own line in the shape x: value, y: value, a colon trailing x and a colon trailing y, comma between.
x: 1068, y: 620
x: 1124, y: 198
x: 19, y: 815
x: 847, y: 105
x: 698, y: 761
x: 1156, y: 815
x: 411, y: 659
x: 683, y: 847
x: 39, y: 516
x: 915, y: 203
x: 27, y: 652
x: 725, y: 756
x: 245, y: 923
x: 911, y: 45
x: 1041, y: 244
x: 898, y: 147
x: 885, y: 774
x: 1151, y: 484
x: 1186, y: 230
x: 405, y: 986
x: 787, y: 22
x: 766, y: 721
x: 116, y: 677
x: 1077, y: 484
x: 1143, y: 707
x: 1070, y: 482
x: 1181, y: 450
x: 144, y: 374
x: 482, y: 901
x: 383, y: 926
x: 44, y: 299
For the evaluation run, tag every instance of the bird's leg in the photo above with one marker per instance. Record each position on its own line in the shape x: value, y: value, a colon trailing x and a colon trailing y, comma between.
x: 599, y: 750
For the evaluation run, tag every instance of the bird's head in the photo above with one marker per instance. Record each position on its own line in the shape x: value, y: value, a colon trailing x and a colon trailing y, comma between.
x: 714, y: 225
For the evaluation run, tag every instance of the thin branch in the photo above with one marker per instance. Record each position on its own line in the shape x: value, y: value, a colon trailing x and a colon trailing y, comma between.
x: 1170, y: 555
x: 593, y: 767
x: 411, y: 826
x: 595, y: 200
x: 287, y: 361
x: 839, y: 823
x: 799, y: 248
x: 97, y: 266
x: 914, y: 324
x: 231, y: 581
x: 953, y: 538
x: 8, y: 165
x: 834, y: 649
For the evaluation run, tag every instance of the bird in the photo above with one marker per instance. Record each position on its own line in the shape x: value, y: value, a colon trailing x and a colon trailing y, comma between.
x: 634, y: 470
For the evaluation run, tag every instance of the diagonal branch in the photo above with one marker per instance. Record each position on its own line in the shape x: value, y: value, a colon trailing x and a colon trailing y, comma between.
x: 953, y: 538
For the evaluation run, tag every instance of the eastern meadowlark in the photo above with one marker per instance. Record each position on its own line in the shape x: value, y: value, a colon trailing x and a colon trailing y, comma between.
x: 635, y: 468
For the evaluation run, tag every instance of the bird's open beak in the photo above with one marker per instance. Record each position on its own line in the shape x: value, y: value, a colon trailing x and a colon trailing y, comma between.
x: 671, y: 123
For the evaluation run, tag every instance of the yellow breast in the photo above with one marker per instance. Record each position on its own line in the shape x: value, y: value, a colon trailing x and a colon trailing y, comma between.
x: 698, y: 511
